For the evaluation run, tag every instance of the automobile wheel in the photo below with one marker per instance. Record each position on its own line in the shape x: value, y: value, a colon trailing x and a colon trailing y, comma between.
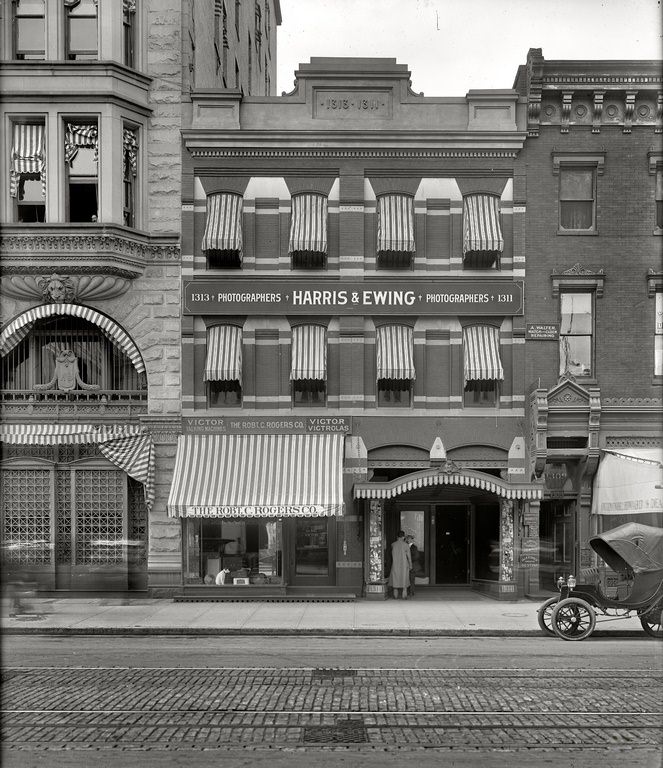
x: 652, y: 623
x: 544, y: 615
x: 573, y: 619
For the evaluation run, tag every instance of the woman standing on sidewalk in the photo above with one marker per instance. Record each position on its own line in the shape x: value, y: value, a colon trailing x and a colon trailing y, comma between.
x: 401, y: 563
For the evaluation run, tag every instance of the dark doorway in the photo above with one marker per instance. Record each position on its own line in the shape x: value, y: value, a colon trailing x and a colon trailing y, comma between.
x: 451, y: 544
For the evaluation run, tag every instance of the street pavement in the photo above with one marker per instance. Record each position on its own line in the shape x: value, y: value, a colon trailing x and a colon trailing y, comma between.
x: 453, y: 612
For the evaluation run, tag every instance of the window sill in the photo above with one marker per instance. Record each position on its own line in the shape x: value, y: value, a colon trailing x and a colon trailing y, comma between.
x: 577, y: 232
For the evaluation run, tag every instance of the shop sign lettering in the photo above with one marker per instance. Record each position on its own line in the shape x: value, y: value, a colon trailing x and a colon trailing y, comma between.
x: 226, y: 425
x: 542, y: 331
x: 408, y: 297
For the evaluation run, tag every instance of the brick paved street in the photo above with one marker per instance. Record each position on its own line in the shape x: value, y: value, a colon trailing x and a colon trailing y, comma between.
x: 125, y: 711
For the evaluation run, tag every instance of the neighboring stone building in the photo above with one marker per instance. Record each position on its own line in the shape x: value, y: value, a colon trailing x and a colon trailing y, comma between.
x: 92, y: 99
x: 594, y: 301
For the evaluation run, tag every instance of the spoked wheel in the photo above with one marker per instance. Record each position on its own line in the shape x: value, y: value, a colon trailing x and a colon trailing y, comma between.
x: 652, y: 623
x: 573, y: 619
x: 544, y: 615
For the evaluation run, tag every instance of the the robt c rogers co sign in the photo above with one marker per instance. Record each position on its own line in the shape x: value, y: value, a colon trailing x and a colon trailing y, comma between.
x: 406, y: 297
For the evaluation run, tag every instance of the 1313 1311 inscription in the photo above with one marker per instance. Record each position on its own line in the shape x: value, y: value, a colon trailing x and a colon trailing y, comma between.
x: 352, y: 104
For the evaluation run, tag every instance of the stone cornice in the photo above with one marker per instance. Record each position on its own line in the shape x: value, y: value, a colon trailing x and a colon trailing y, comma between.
x: 360, y: 153
x: 93, y: 249
x: 576, y: 277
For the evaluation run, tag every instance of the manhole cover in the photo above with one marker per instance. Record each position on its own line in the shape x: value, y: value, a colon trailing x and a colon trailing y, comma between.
x: 344, y: 732
x: 330, y: 673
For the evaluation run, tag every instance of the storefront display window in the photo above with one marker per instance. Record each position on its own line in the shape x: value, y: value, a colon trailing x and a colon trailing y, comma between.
x: 233, y: 552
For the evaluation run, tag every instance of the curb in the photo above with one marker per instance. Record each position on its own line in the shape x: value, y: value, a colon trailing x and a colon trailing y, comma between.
x: 280, y: 632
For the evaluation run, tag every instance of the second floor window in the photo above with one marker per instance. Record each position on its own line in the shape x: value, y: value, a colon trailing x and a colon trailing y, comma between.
x: 396, y: 246
x: 577, y: 199
x: 223, y: 366
x: 29, y: 30
x: 395, y: 365
x: 308, y: 371
x: 659, y: 199
x: 81, y: 32
x: 129, y: 174
x: 222, y: 240
x: 482, y: 234
x: 482, y: 365
x: 81, y: 154
x: 576, y: 334
x: 308, y: 231
x: 27, y: 172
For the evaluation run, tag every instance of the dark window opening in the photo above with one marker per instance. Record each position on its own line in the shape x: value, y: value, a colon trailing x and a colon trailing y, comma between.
x: 395, y: 260
x: 480, y: 393
x: 129, y: 30
x: 223, y: 259
x: 309, y: 392
x: 394, y: 393
x: 224, y: 393
x: 576, y: 199
x: 308, y: 260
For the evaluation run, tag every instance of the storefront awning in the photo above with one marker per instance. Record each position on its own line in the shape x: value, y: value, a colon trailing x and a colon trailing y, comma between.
x: 481, y: 225
x: 481, y: 345
x: 20, y: 327
x: 224, y: 354
x: 257, y: 476
x: 629, y: 482
x: 431, y: 477
x: 129, y: 447
x: 309, y: 353
x: 395, y: 224
x: 223, y: 225
x: 308, y: 224
x: 395, y: 352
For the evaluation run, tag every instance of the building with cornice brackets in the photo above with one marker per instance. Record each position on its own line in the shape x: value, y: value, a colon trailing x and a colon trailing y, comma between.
x: 90, y: 207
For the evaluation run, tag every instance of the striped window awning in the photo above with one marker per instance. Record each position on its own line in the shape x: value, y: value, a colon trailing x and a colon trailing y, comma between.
x: 309, y: 353
x: 308, y: 224
x: 20, y: 327
x: 224, y: 354
x: 77, y: 136
x: 28, y: 156
x: 223, y: 225
x: 395, y: 352
x: 395, y: 224
x: 129, y: 447
x: 482, y: 233
x: 257, y: 476
x: 481, y: 345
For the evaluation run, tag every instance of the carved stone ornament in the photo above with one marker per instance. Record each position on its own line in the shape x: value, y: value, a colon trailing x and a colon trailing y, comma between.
x: 448, y: 468
x: 66, y: 377
x: 63, y: 288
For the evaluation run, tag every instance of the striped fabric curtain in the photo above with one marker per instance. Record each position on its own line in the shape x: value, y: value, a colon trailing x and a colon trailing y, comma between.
x: 28, y: 156
x: 482, y: 232
x: 77, y: 136
x: 129, y: 447
x: 223, y: 226
x: 20, y: 327
x: 308, y: 224
x: 224, y: 354
x: 481, y: 345
x: 309, y: 353
x: 395, y: 352
x: 395, y: 224
x: 130, y: 151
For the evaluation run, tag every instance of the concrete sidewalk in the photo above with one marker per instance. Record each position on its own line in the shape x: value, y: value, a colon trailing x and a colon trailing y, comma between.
x: 454, y: 613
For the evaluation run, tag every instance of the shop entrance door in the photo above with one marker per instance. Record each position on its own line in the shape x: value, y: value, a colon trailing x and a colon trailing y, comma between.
x: 556, y: 541
x: 311, y: 552
x: 451, y: 544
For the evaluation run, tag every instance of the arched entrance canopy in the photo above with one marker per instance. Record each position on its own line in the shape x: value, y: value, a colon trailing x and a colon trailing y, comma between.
x: 19, y: 328
x: 458, y: 476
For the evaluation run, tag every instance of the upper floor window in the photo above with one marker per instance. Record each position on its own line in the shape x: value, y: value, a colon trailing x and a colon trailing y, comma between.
x: 482, y: 365
x: 81, y: 154
x: 29, y: 30
x: 396, y: 244
x: 482, y: 234
x: 658, y: 336
x: 576, y: 334
x: 308, y: 371
x: 659, y: 199
x: 27, y: 174
x: 223, y: 366
x: 395, y: 365
x: 577, y: 199
x: 129, y: 174
x: 308, y: 231
x: 222, y: 240
x: 81, y: 29
x: 129, y: 32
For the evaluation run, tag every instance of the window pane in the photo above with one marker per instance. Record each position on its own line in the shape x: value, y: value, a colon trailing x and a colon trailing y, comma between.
x: 30, y: 7
x: 311, y: 549
x: 575, y: 355
x: 576, y: 313
x: 83, y: 35
x: 576, y: 215
x: 576, y: 184
x: 84, y: 163
x: 84, y: 8
x: 32, y: 191
x: 30, y: 35
x: 658, y: 355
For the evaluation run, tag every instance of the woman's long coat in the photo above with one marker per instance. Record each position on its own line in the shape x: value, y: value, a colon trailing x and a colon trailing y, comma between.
x: 399, y: 578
